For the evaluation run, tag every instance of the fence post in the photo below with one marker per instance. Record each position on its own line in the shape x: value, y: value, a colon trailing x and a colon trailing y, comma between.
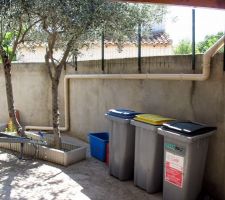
x: 139, y: 47
x: 193, y: 39
x: 224, y: 54
x: 75, y: 62
x: 103, y: 51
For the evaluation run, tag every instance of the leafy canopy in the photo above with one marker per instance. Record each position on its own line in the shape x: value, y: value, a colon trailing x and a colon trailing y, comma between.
x: 16, y: 24
x: 7, y: 45
x: 185, y: 46
x: 209, y: 40
x: 71, y: 25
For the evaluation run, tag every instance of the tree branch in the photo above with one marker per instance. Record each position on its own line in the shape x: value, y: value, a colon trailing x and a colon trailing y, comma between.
x: 2, y: 53
x: 44, y: 26
x: 51, y: 44
x: 27, y: 30
x: 66, y: 52
x: 48, y: 64
x: 15, y: 43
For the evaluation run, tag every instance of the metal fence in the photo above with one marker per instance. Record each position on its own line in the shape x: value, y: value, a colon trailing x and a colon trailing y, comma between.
x: 159, y: 43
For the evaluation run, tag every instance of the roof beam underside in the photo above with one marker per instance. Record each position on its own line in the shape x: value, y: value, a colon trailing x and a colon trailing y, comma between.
x: 196, y: 3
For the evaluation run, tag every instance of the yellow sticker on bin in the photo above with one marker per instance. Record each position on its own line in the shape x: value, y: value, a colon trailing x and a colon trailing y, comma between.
x: 152, y: 119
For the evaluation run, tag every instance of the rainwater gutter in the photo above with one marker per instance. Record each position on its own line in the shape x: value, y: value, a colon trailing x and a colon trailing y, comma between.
x: 182, y: 77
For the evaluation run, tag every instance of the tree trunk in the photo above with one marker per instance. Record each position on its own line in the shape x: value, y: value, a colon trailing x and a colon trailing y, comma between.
x: 9, y: 91
x: 55, y: 113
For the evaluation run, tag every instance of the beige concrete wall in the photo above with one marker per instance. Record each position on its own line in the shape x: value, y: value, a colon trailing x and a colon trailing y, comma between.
x: 90, y: 99
x: 32, y: 94
x: 199, y: 101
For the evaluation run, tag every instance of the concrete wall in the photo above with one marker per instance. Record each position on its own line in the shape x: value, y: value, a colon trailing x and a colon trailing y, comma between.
x: 90, y: 99
x: 32, y: 94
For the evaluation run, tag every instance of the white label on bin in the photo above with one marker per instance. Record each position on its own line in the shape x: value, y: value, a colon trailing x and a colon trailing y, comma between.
x: 174, y: 169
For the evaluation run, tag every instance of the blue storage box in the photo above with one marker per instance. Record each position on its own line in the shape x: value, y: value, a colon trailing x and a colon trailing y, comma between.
x: 98, y: 142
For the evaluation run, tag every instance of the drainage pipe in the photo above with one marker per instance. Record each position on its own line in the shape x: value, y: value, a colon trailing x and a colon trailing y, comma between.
x: 185, y: 77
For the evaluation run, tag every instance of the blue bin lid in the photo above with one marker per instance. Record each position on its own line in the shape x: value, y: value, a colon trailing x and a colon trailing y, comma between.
x: 123, y: 113
x: 187, y: 128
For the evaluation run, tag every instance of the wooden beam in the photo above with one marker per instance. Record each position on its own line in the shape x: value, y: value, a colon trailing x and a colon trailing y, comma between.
x: 196, y: 3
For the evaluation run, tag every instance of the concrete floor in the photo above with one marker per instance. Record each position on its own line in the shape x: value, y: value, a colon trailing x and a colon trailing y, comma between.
x: 89, y: 179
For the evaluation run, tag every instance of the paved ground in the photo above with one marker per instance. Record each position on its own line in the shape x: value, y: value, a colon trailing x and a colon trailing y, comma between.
x: 89, y: 179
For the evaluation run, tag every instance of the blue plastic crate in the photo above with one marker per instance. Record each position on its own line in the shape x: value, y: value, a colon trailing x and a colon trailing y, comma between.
x: 98, y: 142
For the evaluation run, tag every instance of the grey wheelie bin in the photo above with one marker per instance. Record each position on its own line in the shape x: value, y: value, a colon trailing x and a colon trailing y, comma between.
x: 185, y: 151
x: 148, y: 160
x: 121, y: 143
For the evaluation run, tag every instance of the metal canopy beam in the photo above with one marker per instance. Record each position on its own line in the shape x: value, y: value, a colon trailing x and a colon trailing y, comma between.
x: 196, y: 3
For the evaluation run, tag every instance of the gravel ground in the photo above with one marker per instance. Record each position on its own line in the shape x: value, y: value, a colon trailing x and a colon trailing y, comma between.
x: 89, y: 179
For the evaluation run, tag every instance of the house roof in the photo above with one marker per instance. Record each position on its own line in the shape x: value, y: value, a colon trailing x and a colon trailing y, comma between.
x: 156, y: 39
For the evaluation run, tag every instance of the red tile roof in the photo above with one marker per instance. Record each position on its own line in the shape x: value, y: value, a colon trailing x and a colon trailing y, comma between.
x: 156, y: 39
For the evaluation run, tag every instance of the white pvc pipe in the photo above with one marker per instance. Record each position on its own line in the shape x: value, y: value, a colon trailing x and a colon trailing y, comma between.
x: 187, y: 77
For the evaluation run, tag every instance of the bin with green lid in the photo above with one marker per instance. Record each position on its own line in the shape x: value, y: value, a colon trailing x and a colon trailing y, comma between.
x: 185, y: 151
x: 148, y: 160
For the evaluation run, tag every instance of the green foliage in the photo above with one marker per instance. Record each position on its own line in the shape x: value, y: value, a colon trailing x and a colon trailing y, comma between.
x: 9, y: 51
x: 183, y: 47
x: 209, y: 40
x: 82, y: 22
x: 7, y: 45
x: 75, y: 21
x: 7, y: 40
x: 16, y: 24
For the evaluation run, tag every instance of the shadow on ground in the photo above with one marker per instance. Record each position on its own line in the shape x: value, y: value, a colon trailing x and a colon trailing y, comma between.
x: 89, y: 179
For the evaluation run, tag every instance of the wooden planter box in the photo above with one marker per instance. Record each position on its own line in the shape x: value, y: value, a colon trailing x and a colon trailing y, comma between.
x: 69, y: 155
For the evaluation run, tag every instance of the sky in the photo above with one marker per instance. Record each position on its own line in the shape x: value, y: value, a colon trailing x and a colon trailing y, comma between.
x: 179, y: 22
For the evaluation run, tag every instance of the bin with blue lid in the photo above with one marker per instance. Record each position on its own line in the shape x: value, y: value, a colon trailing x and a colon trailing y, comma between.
x: 121, y: 143
x: 148, y: 160
x: 185, y: 152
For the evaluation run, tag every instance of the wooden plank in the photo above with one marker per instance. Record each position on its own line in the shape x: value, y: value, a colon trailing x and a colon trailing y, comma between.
x: 196, y: 3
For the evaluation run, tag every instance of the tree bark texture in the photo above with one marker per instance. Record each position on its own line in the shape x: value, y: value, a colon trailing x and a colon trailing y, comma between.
x: 9, y: 91
x: 55, y: 110
x: 54, y: 71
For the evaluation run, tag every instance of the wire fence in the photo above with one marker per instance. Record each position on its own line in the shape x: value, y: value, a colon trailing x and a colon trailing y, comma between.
x: 166, y: 38
x: 184, y: 30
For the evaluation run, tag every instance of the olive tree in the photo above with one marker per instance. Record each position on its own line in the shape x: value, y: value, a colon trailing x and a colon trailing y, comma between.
x: 70, y: 25
x: 16, y: 24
